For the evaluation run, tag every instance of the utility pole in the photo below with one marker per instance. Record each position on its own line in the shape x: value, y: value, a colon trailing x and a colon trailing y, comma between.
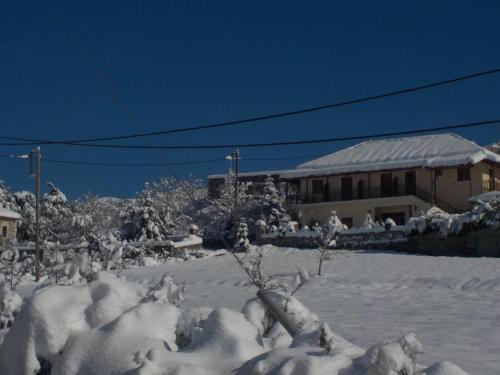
x: 235, y: 157
x: 37, y: 217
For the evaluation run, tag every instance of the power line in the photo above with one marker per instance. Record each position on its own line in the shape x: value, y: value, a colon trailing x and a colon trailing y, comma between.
x: 284, y: 143
x: 270, y: 116
x: 103, y: 164
x: 191, y: 162
x: 100, y: 73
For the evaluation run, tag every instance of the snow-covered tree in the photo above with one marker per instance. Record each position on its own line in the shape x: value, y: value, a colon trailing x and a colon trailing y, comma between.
x: 26, y: 203
x: 12, y: 267
x: 144, y: 221
x: 217, y: 219
x: 7, y: 199
x: 242, y: 242
x: 272, y: 204
x: 57, y: 217
x: 328, y: 240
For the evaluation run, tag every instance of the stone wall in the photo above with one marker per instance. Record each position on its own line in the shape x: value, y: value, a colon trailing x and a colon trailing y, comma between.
x: 483, y: 242
x: 478, y: 243
x: 289, y: 241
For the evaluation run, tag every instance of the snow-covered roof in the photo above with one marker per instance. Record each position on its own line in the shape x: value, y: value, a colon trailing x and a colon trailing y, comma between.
x: 495, y: 147
x: 8, y: 214
x: 426, y: 151
x: 437, y: 150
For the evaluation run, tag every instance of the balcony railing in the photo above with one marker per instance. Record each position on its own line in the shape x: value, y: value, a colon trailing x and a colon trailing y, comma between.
x: 354, y: 194
x: 491, y: 185
x: 398, y: 191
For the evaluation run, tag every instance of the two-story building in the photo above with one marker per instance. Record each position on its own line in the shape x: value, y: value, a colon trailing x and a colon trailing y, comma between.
x: 397, y: 178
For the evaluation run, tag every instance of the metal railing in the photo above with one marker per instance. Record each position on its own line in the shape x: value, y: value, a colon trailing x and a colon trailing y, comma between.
x: 491, y: 185
x: 354, y: 194
x: 395, y: 191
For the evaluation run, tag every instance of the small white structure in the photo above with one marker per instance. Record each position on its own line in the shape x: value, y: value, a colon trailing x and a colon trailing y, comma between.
x: 8, y: 225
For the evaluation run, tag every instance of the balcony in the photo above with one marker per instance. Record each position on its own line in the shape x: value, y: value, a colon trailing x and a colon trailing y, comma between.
x: 491, y: 185
x: 354, y: 194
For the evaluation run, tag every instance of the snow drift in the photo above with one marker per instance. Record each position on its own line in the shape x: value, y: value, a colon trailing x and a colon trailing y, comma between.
x: 106, y: 327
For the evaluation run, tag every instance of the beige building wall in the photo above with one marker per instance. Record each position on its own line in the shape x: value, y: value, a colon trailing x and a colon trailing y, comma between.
x: 11, y: 226
x: 357, y: 209
x: 448, y: 190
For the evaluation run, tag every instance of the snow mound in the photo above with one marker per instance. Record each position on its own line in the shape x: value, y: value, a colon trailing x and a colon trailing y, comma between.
x: 105, y: 327
x: 444, y: 368
x: 50, y: 317
x: 117, y: 347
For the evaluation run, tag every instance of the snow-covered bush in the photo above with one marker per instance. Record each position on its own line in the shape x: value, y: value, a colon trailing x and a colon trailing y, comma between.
x: 146, y: 221
x: 389, y: 224
x: 111, y: 251
x: 242, y: 242
x: 12, y: 268
x: 482, y: 214
x: 369, y: 223
x: 165, y: 291
x: 10, y: 304
x: 434, y: 220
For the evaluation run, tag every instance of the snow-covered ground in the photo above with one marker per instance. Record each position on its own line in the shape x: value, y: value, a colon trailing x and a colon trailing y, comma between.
x: 452, y: 304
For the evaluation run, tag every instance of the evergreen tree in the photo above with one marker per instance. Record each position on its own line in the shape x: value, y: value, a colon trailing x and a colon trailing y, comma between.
x: 57, y: 217
x: 144, y: 221
x: 242, y: 242
x: 272, y: 205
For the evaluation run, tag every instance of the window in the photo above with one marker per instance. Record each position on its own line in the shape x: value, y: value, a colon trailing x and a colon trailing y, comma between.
x: 346, y: 188
x: 4, y: 231
x: 463, y: 174
x: 317, y: 186
x: 438, y: 172
x: 361, y: 189
x: 347, y: 221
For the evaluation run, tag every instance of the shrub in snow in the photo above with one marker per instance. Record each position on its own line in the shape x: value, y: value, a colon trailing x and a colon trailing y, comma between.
x: 482, y: 214
x: 242, y: 242
x: 434, y: 220
x: 111, y: 251
x: 392, y: 358
x: 10, y: 304
x: 317, y: 228
x: 389, y: 224
x: 328, y: 240
x: 369, y: 223
x: 252, y: 265
x: 165, y: 291
x: 80, y: 268
x: 12, y: 268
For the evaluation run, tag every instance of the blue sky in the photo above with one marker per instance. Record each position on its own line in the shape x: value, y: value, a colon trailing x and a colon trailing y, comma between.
x: 100, y: 68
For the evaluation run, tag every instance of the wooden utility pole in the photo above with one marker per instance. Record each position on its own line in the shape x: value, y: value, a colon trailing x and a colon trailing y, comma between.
x: 236, y: 157
x: 37, y: 218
